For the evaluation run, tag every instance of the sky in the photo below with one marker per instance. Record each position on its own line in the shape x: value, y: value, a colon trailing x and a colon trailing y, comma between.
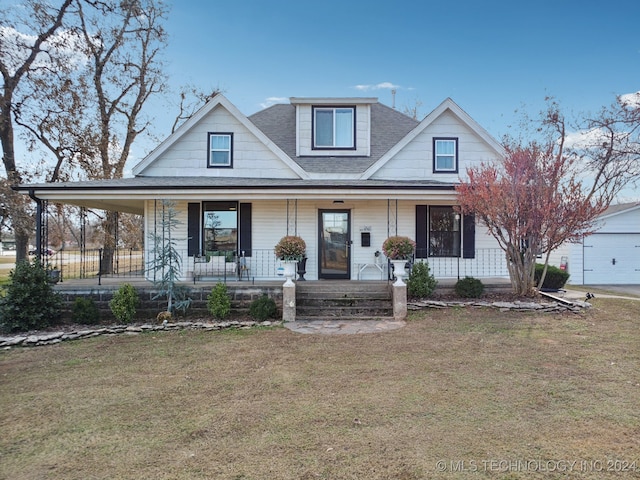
x: 491, y: 57
x: 495, y: 58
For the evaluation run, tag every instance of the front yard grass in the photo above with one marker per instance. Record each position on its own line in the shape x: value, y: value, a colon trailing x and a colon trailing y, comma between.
x: 457, y: 393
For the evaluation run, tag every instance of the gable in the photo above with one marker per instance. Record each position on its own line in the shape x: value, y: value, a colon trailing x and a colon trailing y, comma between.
x: 623, y: 218
x: 187, y: 151
x: 388, y: 127
x: 413, y: 157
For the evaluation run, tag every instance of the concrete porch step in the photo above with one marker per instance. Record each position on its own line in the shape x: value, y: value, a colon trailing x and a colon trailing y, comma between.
x: 344, y: 300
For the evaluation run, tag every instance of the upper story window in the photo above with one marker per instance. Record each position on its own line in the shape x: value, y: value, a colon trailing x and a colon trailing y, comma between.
x: 334, y: 127
x: 445, y: 155
x: 220, y: 150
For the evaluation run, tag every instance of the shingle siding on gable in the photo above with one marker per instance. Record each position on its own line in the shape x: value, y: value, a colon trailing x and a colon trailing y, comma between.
x: 188, y: 156
x: 415, y: 161
x: 305, y: 134
x: 388, y: 126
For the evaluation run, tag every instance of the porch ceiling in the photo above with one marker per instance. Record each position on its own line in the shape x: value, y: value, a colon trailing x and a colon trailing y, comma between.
x: 129, y: 194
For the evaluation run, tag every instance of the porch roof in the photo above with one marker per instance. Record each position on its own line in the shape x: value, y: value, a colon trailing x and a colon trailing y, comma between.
x: 129, y: 194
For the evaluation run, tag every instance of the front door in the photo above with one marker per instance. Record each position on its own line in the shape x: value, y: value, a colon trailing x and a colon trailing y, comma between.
x: 335, y: 244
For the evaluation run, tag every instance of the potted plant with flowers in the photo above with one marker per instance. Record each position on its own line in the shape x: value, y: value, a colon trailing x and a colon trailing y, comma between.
x: 290, y: 249
x: 399, y: 249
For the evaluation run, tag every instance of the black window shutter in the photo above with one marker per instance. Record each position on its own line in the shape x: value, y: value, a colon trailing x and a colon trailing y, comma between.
x: 193, y: 229
x: 469, y: 236
x: 245, y: 229
x: 421, y: 232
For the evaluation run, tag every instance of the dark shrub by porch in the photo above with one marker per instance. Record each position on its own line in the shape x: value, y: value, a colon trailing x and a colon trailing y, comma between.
x: 469, y: 287
x: 124, y: 303
x: 263, y: 308
x: 29, y: 301
x: 421, y: 283
x: 219, y: 302
x: 85, y: 311
x: 555, y: 279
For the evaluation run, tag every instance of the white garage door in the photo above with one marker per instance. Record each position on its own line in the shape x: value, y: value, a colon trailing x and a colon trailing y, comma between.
x: 612, y: 259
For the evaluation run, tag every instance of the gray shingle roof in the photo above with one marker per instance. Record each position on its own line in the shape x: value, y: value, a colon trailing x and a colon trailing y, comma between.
x: 388, y: 127
x: 186, y: 183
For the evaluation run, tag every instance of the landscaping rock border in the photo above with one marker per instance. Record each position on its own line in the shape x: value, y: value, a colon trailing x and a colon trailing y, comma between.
x: 51, y: 338
x: 543, y: 307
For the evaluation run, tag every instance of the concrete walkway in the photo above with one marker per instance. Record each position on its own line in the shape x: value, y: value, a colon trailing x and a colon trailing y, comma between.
x: 350, y: 327
x: 579, y: 292
x: 344, y: 327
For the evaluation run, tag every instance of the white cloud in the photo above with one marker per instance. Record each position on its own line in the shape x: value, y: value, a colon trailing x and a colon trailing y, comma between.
x: 18, y: 45
x: 630, y: 99
x: 592, y: 138
x: 584, y: 138
x: 379, y: 86
x: 272, y: 101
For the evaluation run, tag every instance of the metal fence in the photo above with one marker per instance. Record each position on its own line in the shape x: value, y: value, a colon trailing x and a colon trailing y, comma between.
x: 261, y: 264
x: 82, y: 264
x: 487, y: 262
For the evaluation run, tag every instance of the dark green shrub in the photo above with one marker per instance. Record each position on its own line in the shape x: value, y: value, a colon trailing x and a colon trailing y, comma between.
x: 469, y: 287
x: 124, y: 303
x: 555, y: 279
x: 263, y: 308
x: 85, y: 311
x: 421, y: 283
x: 219, y: 302
x: 29, y: 301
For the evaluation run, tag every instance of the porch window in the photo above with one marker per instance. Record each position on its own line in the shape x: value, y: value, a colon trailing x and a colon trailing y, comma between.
x: 445, y: 155
x: 334, y: 127
x: 220, y: 150
x: 444, y: 232
x: 220, y: 226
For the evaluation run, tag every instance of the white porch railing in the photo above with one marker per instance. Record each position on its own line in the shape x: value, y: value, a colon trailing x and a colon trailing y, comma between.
x: 262, y: 264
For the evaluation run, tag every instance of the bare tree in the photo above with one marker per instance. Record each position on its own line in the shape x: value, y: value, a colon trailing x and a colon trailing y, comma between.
x: 20, y: 57
x: 191, y: 99
x: 123, y: 41
x: 551, y: 190
x: 609, y: 146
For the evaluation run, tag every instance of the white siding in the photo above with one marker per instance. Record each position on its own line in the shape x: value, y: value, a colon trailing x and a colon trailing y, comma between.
x: 305, y: 135
x: 591, y: 262
x: 415, y: 161
x: 188, y: 156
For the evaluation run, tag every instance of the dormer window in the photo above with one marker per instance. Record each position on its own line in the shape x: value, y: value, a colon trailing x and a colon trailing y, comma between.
x: 334, y: 127
x: 220, y: 150
x: 445, y: 155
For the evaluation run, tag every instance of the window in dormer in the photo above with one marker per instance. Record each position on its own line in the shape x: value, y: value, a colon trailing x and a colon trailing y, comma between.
x: 445, y: 155
x: 220, y: 150
x: 334, y: 127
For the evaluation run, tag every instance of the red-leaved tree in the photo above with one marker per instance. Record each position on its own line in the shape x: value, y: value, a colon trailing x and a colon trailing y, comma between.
x: 531, y: 203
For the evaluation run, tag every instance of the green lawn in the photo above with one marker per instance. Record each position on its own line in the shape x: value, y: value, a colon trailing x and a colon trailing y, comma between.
x: 457, y: 393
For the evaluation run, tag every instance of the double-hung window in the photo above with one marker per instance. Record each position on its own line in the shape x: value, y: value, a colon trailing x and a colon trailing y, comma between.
x: 220, y: 151
x: 445, y: 155
x: 334, y: 127
x: 444, y: 232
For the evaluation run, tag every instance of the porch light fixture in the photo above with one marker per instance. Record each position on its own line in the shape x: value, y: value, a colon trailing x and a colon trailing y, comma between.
x: 338, y: 202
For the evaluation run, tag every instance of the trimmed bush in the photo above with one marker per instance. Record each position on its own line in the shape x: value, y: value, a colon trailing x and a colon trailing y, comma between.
x: 555, y: 279
x: 421, y: 283
x: 219, y: 302
x: 263, y: 308
x: 124, y: 303
x: 469, y: 287
x: 85, y: 311
x: 29, y: 301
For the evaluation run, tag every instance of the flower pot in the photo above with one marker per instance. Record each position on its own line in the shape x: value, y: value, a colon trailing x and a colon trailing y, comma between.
x: 289, y: 271
x: 399, y: 271
x: 302, y: 269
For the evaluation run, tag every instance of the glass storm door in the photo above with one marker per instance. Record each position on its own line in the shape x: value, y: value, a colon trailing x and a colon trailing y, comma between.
x: 335, y: 244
